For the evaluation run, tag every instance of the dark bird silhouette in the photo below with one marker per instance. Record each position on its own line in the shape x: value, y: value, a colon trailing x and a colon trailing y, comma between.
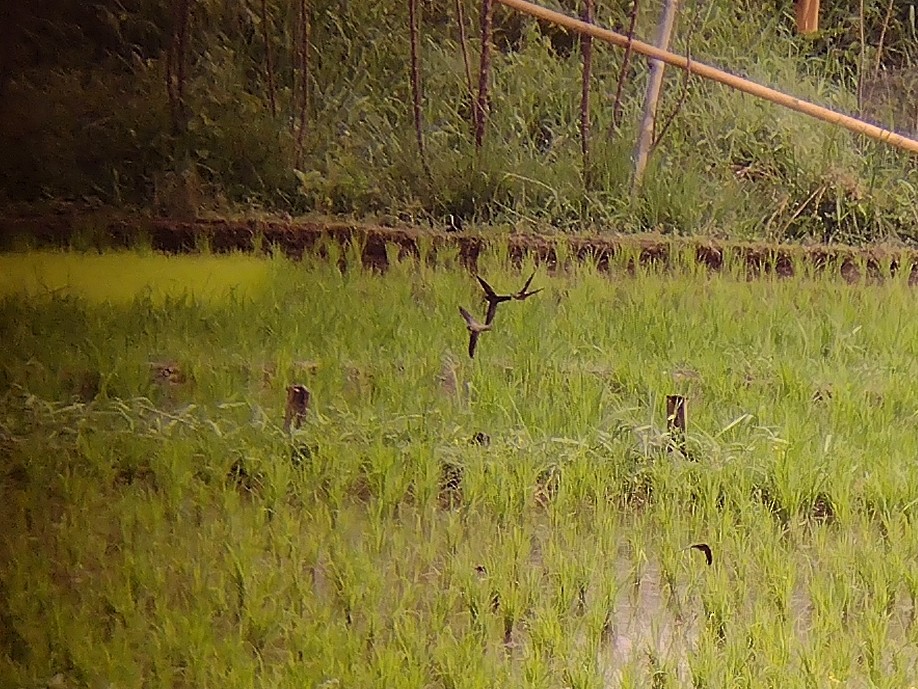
x: 523, y: 294
x: 493, y: 299
x: 706, y: 549
x: 475, y: 329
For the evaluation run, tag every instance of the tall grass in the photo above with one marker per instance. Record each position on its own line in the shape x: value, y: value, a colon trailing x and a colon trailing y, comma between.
x: 159, y: 532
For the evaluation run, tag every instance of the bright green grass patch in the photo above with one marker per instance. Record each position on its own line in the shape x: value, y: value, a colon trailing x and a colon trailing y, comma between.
x: 161, y: 532
x: 121, y: 276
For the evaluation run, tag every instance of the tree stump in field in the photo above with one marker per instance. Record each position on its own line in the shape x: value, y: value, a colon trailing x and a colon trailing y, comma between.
x: 450, y: 485
x: 297, y: 406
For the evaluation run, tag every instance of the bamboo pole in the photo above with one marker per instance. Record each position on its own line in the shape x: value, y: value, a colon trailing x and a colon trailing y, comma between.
x: 652, y: 95
x: 807, y: 14
x: 851, y: 123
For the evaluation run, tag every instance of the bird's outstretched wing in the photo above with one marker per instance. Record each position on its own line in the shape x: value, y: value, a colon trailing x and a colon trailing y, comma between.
x: 473, y: 342
x: 706, y: 549
x: 489, y: 291
x: 469, y: 320
x: 493, y: 299
x: 528, y: 282
x: 492, y: 310
x: 523, y: 293
x: 475, y: 329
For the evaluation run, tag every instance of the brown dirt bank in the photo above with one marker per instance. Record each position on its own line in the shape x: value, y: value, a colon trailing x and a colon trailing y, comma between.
x: 293, y: 237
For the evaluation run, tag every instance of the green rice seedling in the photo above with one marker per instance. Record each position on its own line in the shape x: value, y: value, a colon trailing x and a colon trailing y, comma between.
x: 546, y: 635
x: 582, y: 671
x: 177, y: 513
x: 537, y: 671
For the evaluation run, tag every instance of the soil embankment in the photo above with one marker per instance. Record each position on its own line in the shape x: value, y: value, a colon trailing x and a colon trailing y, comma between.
x: 293, y: 237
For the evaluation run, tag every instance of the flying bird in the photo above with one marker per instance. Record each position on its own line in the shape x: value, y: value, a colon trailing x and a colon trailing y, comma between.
x: 475, y: 329
x: 523, y: 294
x: 493, y: 299
x: 706, y: 549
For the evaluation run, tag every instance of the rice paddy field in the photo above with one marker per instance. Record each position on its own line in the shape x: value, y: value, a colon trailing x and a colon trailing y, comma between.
x: 520, y: 519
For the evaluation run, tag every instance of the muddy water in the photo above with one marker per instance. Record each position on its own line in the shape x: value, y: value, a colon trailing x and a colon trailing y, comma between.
x: 646, y: 623
x: 655, y: 623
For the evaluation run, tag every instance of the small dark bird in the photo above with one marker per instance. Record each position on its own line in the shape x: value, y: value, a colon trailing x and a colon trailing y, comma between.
x: 523, y: 294
x: 475, y: 329
x: 706, y: 549
x: 493, y: 299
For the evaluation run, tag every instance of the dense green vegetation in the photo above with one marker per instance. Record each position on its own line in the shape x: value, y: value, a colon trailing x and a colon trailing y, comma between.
x: 86, y: 117
x: 158, y: 528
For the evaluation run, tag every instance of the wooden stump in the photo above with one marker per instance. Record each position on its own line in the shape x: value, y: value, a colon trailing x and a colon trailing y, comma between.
x: 297, y: 406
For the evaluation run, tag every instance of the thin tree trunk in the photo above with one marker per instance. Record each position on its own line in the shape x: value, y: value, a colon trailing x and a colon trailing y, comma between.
x: 586, y: 48
x: 878, y: 61
x: 269, y: 61
x: 296, y: 38
x: 463, y: 45
x: 182, y: 50
x: 484, y: 73
x: 862, y: 62
x: 623, y: 74
x: 171, y: 92
x: 416, y: 81
x: 302, y: 62
x: 176, y: 59
x: 652, y: 95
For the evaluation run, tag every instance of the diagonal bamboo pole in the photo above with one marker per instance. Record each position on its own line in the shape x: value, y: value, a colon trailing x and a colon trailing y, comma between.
x: 851, y: 123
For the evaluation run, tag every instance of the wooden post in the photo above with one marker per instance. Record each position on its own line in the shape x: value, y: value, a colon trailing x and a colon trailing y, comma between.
x: 807, y: 12
x: 645, y: 137
x: 297, y: 406
x: 675, y: 421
